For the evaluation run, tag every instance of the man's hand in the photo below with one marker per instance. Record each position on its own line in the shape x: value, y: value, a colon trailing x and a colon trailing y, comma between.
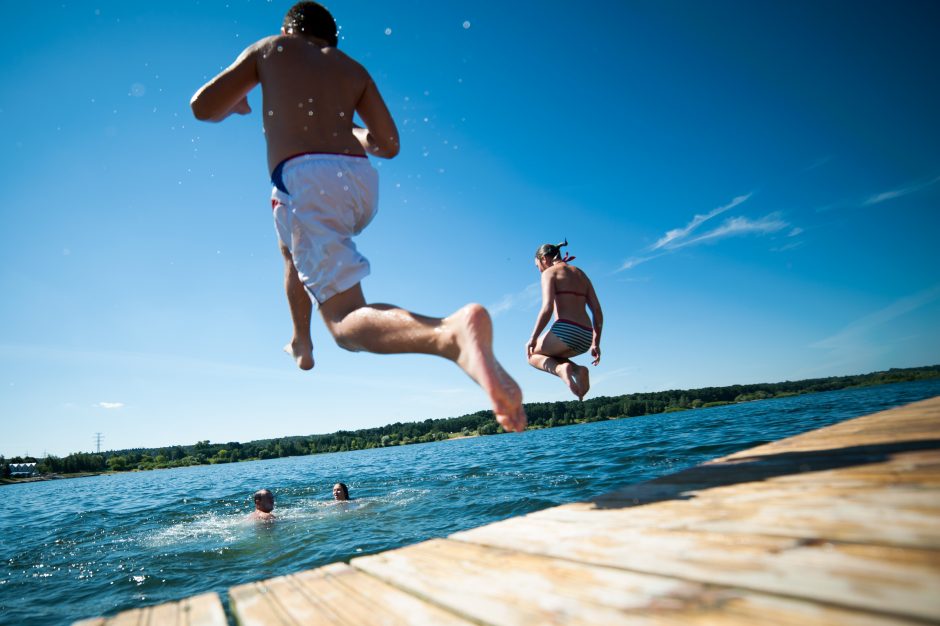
x: 530, y: 347
x: 242, y: 107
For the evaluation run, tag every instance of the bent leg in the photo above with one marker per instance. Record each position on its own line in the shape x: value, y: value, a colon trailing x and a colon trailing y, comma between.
x: 301, y: 345
x: 465, y: 337
x: 551, y: 355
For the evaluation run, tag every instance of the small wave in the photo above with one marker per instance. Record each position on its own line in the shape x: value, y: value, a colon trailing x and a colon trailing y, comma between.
x: 210, y: 528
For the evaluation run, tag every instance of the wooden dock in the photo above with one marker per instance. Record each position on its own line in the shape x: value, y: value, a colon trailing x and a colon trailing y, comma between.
x: 836, y: 526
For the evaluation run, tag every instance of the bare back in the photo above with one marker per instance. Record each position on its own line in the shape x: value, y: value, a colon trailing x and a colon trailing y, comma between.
x: 309, y: 96
x: 573, y: 293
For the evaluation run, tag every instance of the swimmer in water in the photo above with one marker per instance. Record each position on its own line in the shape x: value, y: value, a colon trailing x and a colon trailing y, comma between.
x: 264, y: 504
x: 340, y: 492
x: 568, y: 291
x: 324, y: 193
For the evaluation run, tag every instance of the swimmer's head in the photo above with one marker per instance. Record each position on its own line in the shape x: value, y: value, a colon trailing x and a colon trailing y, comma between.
x: 340, y: 491
x: 311, y: 19
x: 548, y: 253
x: 264, y: 500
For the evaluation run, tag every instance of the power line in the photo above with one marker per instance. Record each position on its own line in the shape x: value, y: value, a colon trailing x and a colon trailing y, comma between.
x: 98, y: 438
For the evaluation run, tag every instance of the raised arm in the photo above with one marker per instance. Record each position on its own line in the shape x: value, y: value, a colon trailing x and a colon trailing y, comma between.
x: 545, y: 313
x: 380, y: 136
x: 598, y: 321
x: 227, y: 92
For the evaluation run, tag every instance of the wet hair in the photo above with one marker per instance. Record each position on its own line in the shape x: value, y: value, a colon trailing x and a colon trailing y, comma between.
x: 311, y: 19
x: 345, y: 490
x: 550, y: 250
x: 264, y: 496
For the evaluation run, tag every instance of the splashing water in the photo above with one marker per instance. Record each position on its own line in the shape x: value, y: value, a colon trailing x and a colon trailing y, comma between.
x: 101, y: 544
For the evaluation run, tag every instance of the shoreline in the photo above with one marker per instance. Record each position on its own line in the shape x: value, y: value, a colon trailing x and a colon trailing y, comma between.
x: 47, y: 477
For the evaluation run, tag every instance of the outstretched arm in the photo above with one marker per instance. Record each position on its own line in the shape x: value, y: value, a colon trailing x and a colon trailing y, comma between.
x: 380, y: 136
x: 545, y: 313
x: 227, y: 92
x: 598, y: 317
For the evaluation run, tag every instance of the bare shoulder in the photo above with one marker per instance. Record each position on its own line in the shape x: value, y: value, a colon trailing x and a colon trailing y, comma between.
x: 352, y: 65
x: 262, y: 46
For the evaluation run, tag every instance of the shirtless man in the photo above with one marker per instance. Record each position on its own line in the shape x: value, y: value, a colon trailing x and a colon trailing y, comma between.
x: 264, y: 504
x: 325, y: 192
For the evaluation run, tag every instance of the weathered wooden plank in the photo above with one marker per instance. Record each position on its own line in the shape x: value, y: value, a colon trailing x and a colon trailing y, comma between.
x: 877, y: 578
x: 201, y: 610
x: 333, y: 595
x: 497, y: 586
x: 913, y: 422
x: 897, y: 465
x: 891, y: 515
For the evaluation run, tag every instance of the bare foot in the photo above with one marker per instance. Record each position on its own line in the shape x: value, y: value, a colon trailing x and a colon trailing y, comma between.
x: 301, y: 352
x: 567, y: 372
x: 583, y: 375
x: 473, y: 332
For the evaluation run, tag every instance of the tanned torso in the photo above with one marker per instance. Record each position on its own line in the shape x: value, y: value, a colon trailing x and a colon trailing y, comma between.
x: 309, y: 94
x: 569, y: 306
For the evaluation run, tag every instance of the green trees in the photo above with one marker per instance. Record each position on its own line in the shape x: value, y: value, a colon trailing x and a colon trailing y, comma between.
x: 541, y: 415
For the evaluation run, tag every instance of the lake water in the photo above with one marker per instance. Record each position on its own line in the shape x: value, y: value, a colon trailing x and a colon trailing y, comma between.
x: 83, y: 547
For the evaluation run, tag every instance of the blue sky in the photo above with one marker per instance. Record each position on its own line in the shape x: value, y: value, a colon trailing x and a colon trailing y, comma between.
x: 753, y: 190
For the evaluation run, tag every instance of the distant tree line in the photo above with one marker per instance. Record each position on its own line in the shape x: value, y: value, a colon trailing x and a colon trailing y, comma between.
x: 541, y: 415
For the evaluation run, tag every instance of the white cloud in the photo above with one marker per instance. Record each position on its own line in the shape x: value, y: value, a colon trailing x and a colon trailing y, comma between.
x: 817, y: 163
x: 528, y: 298
x: 677, y: 234
x: 902, y: 191
x: 632, y: 262
x: 732, y: 227
x: 854, y: 342
x: 110, y: 405
x: 738, y: 226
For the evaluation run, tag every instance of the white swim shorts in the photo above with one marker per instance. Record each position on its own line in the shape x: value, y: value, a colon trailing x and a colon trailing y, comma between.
x: 329, y: 199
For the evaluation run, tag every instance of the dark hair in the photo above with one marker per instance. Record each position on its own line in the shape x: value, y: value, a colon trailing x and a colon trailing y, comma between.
x: 311, y: 19
x: 264, y: 496
x: 550, y: 250
x: 345, y: 490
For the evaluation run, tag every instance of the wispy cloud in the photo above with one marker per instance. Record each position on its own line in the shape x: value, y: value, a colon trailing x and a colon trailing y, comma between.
x: 817, y: 163
x: 678, y: 234
x: 632, y: 262
x: 110, y: 405
x: 853, y: 342
x: 678, y: 238
x: 528, y: 298
x: 736, y: 226
x: 901, y: 191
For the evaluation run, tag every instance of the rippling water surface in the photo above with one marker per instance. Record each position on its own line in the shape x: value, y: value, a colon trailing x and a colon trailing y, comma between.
x: 90, y: 546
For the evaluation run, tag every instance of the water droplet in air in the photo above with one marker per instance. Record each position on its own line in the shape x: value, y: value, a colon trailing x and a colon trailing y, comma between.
x: 342, y: 114
x: 309, y: 113
x: 309, y: 99
x: 388, y: 31
x: 466, y: 25
x: 280, y: 48
x: 345, y: 187
x: 339, y: 174
x: 270, y: 113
